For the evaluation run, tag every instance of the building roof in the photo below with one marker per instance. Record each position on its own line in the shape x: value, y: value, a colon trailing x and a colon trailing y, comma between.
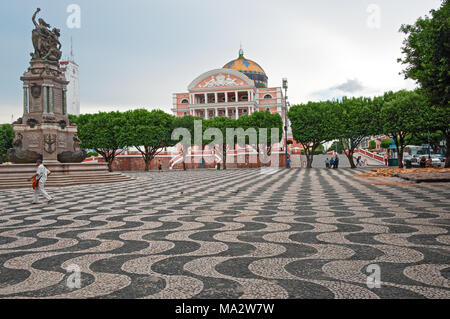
x: 244, y: 65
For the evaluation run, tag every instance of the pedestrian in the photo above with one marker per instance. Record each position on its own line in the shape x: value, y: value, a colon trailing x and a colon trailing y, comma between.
x: 336, y: 162
x: 288, y: 161
x: 332, y: 163
x: 423, y: 162
x: 159, y: 166
x: 327, y: 163
x: 39, y: 180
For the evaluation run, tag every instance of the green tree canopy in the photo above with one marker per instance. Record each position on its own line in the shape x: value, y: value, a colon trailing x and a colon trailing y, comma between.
x: 312, y: 124
x: 385, y: 143
x: 220, y: 123
x: 6, y: 139
x: 101, y: 132
x: 187, y: 122
x: 404, y: 113
x: 355, y: 120
x: 426, y: 57
x: 149, y: 131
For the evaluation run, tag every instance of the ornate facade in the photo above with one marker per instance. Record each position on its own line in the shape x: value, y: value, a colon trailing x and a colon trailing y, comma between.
x: 239, y: 88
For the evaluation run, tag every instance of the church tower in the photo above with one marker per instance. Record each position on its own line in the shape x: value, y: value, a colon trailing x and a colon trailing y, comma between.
x: 70, y: 69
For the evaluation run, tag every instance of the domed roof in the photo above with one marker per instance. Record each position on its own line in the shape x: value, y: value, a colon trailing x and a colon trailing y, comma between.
x: 250, y: 68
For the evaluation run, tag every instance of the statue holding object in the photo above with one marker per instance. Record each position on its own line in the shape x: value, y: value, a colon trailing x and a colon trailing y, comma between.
x: 45, y: 41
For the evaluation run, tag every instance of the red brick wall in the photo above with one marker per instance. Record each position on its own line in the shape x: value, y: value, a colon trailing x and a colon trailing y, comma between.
x: 123, y: 163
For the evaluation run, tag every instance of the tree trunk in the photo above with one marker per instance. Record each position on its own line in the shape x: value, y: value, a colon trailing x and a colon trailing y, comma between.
x: 224, y: 155
x: 309, y: 159
x: 447, y: 151
x: 147, y: 164
x: 258, y: 163
x: 110, y: 161
x: 350, y: 158
x: 400, y: 147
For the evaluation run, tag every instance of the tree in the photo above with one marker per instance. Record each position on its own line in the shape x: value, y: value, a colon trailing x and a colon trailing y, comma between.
x: 426, y: 56
x: 404, y: 113
x: 372, y: 145
x: 355, y: 121
x: 149, y: 132
x: 426, y: 51
x: 337, y: 146
x: 101, y: 132
x: 312, y: 125
x: 266, y: 120
x: 6, y: 139
x: 187, y: 122
x: 220, y: 123
x: 386, y: 143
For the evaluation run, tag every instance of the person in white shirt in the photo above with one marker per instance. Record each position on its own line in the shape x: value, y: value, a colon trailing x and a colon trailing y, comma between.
x: 41, y: 175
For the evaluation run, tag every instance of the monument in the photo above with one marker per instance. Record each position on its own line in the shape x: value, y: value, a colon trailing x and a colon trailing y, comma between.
x: 45, y: 131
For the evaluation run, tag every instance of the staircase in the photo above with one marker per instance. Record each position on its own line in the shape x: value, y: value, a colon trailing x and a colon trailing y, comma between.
x: 16, y: 175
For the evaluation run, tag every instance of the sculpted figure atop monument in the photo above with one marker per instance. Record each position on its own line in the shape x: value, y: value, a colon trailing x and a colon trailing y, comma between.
x: 45, y: 41
x: 45, y: 131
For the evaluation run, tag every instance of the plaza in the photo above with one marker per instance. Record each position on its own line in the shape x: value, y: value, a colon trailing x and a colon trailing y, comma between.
x: 246, y: 233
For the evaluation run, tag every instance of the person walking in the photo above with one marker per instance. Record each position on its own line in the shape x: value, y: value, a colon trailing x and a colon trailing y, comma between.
x: 327, y: 163
x: 288, y: 161
x: 41, y: 176
x: 159, y: 166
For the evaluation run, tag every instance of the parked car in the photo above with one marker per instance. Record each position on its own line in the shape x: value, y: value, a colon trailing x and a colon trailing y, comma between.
x: 437, y: 159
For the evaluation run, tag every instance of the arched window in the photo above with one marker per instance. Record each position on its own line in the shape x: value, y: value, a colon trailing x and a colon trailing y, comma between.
x: 185, y: 101
x: 268, y: 96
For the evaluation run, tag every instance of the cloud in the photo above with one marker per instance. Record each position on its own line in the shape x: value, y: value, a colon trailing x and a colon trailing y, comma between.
x: 351, y: 86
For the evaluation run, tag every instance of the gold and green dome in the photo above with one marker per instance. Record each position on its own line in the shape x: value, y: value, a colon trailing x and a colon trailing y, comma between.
x: 250, y: 68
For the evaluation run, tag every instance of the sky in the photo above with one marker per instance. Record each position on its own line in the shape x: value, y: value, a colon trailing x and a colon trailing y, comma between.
x: 137, y: 53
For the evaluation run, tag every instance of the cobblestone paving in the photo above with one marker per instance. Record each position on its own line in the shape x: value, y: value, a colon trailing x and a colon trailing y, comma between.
x: 228, y: 234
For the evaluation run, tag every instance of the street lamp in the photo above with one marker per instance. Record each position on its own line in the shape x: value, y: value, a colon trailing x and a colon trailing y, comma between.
x: 285, y: 87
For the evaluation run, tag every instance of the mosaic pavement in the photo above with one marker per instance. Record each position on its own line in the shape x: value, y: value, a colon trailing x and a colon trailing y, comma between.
x: 228, y: 234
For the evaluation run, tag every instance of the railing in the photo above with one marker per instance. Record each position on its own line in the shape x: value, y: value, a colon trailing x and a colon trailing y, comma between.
x: 371, y: 155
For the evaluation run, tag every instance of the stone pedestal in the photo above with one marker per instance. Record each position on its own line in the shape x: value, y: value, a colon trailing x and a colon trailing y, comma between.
x: 45, y: 130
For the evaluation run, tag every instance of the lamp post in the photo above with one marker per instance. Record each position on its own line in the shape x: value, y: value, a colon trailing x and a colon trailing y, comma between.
x: 285, y: 87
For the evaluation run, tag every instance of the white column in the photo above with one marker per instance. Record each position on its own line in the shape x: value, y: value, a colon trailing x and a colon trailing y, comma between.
x: 206, y: 114
x: 206, y: 97
x: 226, y: 97
x: 215, y: 97
x: 216, y: 112
x: 236, y: 113
x: 236, y: 96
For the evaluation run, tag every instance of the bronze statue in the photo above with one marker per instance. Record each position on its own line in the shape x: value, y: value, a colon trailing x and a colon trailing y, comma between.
x: 45, y: 41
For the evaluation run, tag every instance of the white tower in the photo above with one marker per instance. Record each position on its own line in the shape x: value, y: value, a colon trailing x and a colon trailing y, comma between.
x: 70, y: 69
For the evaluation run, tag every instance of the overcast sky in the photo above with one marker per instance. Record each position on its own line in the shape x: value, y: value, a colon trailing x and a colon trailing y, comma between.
x: 136, y: 53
